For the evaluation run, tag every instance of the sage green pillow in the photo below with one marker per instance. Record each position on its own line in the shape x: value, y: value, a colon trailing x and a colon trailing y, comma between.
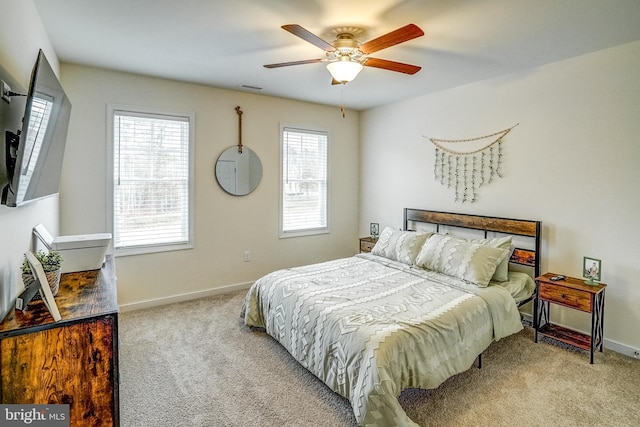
x: 399, y: 245
x: 460, y: 258
x: 502, y: 270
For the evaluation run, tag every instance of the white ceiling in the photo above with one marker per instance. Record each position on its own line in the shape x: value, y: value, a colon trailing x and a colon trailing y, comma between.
x: 225, y: 43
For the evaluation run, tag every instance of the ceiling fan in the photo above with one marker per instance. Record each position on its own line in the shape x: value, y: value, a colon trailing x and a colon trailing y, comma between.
x: 345, y: 57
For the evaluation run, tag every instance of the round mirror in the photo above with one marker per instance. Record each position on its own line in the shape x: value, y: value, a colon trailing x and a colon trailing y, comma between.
x: 238, y: 173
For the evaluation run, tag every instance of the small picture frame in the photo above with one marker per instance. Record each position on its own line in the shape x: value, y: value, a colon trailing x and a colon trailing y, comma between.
x: 591, y: 269
x: 45, y: 290
x: 374, y: 229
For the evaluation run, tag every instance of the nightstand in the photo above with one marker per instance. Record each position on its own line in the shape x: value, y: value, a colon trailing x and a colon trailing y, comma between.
x: 575, y: 294
x: 367, y: 243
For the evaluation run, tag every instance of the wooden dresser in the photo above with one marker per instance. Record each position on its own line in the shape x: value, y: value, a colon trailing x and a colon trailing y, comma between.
x: 73, y: 361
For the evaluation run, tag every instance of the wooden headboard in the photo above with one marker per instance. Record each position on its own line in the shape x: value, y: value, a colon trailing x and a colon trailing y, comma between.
x: 519, y: 227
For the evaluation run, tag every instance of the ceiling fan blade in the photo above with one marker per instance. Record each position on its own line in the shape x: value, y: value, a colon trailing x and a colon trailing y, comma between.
x: 398, y: 36
x: 287, y: 64
x: 307, y: 36
x: 400, y: 67
x: 336, y: 82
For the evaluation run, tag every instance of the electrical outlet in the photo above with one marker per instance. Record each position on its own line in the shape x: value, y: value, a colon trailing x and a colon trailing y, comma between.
x: 5, y: 90
x: 247, y: 256
x: 636, y: 354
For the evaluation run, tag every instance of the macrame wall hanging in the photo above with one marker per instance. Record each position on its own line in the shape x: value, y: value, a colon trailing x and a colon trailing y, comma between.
x: 467, y: 171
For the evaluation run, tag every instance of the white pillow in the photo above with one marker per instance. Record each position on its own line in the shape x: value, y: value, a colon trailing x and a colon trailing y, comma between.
x: 473, y: 262
x: 399, y: 245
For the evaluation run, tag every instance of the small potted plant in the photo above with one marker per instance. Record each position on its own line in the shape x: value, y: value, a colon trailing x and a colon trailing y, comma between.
x: 51, y: 264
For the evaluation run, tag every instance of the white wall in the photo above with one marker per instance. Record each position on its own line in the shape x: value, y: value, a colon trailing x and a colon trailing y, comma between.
x: 21, y: 36
x: 225, y: 226
x: 571, y: 163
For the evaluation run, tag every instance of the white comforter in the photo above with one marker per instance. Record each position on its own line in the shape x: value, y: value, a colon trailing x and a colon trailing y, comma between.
x: 370, y: 327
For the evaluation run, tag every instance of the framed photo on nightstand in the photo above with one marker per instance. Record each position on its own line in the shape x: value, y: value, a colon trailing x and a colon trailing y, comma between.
x: 591, y: 269
x: 374, y: 230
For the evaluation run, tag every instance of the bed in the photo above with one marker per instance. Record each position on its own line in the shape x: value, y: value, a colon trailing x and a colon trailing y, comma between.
x: 418, y: 309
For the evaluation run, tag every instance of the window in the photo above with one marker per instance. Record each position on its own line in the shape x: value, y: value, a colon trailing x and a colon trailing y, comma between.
x: 303, y: 190
x: 152, y: 195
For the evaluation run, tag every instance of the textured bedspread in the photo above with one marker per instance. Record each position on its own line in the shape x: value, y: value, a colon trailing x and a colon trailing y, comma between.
x: 370, y: 327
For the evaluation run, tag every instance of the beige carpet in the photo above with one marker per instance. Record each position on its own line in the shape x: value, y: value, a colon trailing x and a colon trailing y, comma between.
x: 195, y: 364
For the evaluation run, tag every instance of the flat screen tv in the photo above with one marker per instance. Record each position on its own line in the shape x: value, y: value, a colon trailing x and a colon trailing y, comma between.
x: 36, y: 152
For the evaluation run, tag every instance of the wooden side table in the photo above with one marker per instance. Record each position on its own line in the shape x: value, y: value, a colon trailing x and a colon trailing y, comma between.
x: 573, y: 293
x: 73, y: 361
x: 367, y: 244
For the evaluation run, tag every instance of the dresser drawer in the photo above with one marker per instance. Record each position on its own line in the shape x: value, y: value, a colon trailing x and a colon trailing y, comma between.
x: 565, y: 296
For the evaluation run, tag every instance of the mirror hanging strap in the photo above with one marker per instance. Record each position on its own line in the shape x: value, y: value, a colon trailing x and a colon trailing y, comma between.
x: 239, y: 111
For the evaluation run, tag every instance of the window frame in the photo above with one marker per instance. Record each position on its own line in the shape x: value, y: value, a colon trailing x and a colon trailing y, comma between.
x: 112, y: 109
x: 309, y: 231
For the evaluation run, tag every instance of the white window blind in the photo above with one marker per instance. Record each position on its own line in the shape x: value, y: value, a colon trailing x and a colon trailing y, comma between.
x: 304, y: 182
x: 151, y: 180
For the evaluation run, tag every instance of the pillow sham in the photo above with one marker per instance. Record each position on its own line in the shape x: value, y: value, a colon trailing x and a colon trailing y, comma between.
x: 460, y: 258
x: 502, y: 271
x: 402, y: 246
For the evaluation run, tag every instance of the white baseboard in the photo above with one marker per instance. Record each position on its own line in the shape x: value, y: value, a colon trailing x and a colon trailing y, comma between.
x: 183, y: 297
x: 608, y: 344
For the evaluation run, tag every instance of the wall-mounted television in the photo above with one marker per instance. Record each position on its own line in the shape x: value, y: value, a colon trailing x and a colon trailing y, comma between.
x: 34, y: 153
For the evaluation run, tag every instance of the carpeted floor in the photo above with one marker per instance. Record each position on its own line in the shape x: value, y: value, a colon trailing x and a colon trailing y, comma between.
x: 196, y: 364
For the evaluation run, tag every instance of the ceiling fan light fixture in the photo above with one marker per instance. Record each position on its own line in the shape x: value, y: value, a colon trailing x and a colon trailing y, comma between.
x: 344, y: 70
x: 346, y: 57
